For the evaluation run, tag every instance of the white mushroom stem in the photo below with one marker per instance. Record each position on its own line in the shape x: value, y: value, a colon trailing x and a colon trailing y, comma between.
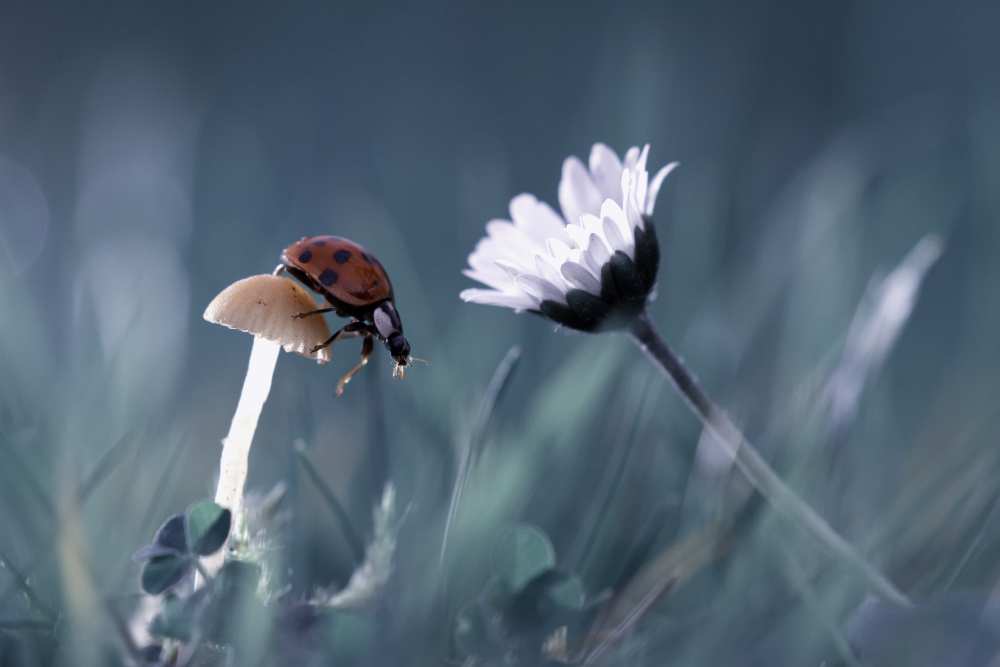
x: 269, y: 307
x: 236, y: 446
x: 235, y: 457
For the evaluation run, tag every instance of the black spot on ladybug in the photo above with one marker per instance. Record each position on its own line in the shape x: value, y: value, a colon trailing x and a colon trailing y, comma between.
x: 328, y: 277
x: 341, y: 256
x: 319, y: 244
x: 305, y: 257
x: 365, y: 256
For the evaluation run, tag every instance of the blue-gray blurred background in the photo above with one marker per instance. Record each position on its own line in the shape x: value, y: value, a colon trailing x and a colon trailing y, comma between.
x: 150, y: 154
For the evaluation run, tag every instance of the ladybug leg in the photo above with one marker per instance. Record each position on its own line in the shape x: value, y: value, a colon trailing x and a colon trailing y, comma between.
x: 343, y: 332
x: 350, y: 330
x: 318, y: 311
x: 366, y: 351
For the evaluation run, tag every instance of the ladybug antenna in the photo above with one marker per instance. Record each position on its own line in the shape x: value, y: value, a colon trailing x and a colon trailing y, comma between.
x: 423, y: 361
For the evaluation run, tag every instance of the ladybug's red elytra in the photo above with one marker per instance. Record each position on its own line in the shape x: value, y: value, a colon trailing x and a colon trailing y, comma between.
x: 356, y: 285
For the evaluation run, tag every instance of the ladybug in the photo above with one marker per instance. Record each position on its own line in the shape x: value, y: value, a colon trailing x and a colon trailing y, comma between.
x: 356, y: 285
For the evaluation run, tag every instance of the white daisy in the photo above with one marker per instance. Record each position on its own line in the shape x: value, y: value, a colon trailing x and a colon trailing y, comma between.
x: 593, y: 266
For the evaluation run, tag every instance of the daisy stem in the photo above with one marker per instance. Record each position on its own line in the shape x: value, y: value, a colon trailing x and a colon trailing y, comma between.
x: 753, y: 466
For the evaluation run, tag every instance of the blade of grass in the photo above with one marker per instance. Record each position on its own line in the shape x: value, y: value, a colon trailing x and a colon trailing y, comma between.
x: 84, y: 603
x: 833, y: 395
x: 343, y: 518
x: 155, y: 499
x: 22, y: 584
x: 108, y: 461
x: 800, y: 581
x: 754, y: 467
x: 469, y: 452
x: 973, y: 547
x: 673, y: 567
x: 25, y: 625
x: 166, y: 477
x: 625, y: 445
x: 15, y: 463
x: 471, y: 449
x: 878, y: 323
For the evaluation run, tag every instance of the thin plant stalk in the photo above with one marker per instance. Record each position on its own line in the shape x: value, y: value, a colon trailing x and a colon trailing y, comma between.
x: 472, y: 448
x: 470, y: 451
x: 108, y: 461
x: 236, y: 447
x: 625, y: 446
x: 354, y: 540
x: 18, y: 625
x: 22, y: 583
x: 800, y: 580
x: 753, y: 466
x: 662, y: 574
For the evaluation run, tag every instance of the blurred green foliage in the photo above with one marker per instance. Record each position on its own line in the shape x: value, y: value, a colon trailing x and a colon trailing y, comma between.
x: 151, y: 155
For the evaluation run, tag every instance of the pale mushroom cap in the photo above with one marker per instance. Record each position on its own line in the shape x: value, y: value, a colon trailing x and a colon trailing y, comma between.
x: 264, y: 305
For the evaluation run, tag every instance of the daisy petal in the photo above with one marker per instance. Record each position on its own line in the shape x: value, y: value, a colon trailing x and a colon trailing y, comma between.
x: 518, y: 301
x: 540, y: 288
x: 500, y: 281
x: 631, y: 157
x: 535, y: 219
x: 499, y: 228
x: 558, y: 250
x: 591, y: 225
x: 539, y: 256
x: 577, y: 234
x: 581, y: 277
x: 640, y: 164
x: 511, y: 268
x: 598, y: 250
x: 547, y: 271
x: 606, y: 170
x: 654, y: 186
x: 641, y: 178
x: 613, y: 235
x: 633, y: 211
x: 584, y: 259
x: 615, y: 220
x: 512, y: 241
x: 577, y: 192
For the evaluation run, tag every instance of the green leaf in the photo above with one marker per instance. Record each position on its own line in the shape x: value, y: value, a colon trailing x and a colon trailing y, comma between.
x: 152, y: 551
x: 161, y: 572
x: 207, y: 527
x: 522, y: 553
x: 171, y: 534
x: 170, y: 540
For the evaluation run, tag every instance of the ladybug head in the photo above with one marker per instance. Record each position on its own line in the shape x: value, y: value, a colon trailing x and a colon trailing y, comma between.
x: 390, y: 329
x: 399, y: 348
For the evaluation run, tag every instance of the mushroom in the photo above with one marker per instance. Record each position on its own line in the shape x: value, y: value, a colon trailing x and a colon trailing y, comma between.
x: 264, y: 306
